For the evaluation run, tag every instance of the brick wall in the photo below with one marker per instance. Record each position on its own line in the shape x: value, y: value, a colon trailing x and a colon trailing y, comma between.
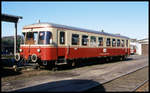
x: 145, y: 49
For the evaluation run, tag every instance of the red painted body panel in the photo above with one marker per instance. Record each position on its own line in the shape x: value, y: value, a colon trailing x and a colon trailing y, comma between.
x: 50, y: 53
x: 44, y: 54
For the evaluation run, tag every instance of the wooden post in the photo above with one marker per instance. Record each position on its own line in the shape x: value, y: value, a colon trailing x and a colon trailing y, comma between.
x: 15, y: 39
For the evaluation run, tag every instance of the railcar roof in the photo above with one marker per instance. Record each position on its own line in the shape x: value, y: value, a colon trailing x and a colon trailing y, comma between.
x: 77, y: 28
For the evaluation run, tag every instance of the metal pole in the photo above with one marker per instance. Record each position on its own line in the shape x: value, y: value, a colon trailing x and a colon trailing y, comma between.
x: 15, y: 39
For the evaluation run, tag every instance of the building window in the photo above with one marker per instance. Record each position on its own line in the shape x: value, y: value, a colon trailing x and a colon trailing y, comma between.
x: 93, y: 40
x: 100, y: 41
x: 62, y: 38
x: 114, y: 42
x: 108, y: 42
x: 84, y: 40
x: 122, y: 43
x: 118, y: 42
x: 75, y: 39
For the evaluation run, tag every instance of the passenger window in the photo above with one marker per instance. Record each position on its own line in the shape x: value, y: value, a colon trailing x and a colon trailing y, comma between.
x: 126, y: 43
x: 122, y: 43
x: 62, y: 38
x: 75, y: 39
x: 118, y: 42
x: 114, y: 42
x: 84, y: 40
x: 93, y: 40
x: 108, y: 42
x: 41, y: 37
x: 48, y: 38
x: 100, y: 41
x: 31, y: 38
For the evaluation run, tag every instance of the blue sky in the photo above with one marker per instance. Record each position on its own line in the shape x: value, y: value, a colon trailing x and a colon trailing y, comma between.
x: 127, y: 18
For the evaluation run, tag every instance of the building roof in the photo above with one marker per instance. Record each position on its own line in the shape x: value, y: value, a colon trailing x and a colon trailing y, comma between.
x: 75, y: 28
x: 144, y: 41
x: 10, y: 18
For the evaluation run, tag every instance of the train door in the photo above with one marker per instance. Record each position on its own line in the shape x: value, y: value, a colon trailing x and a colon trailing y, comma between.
x: 62, y: 49
x: 100, y: 45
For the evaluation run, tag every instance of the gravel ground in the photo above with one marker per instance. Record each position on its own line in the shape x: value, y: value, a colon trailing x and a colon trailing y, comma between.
x: 97, y: 72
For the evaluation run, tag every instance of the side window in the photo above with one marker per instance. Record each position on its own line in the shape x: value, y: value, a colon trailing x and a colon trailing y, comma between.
x: 84, y: 40
x: 41, y: 37
x: 23, y: 38
x: 35, y: 37
x: 48, y: 38
x: 62, y: 38
x: 126, y: 43
x: 114, y: 42
x: 29, y: 36
x: 100, y: 41
x: 108, y: 42
x: 93, y: 40
x: 75, y: 39
x: 118, y: 42
x: 122, y: 43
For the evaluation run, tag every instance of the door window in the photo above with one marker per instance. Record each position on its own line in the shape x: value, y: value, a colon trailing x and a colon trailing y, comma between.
x: 62, y: 38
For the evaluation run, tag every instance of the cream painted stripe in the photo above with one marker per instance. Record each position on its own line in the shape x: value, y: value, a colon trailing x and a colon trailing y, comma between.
x: 51, y: 46
x: 36, y: 45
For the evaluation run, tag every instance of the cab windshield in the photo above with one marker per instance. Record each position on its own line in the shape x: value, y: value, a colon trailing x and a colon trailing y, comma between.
x: 42, y: 37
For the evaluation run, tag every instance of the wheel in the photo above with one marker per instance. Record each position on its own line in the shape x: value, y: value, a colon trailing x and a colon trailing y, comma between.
x: 16, y: 69
x: 54, y: 69
x: 122, y: 58
x: 107, y: 59
x: 73, y: 64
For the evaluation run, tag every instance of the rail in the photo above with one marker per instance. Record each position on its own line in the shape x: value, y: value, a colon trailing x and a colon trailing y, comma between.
x: 122, y: 76
x: 141, y: 84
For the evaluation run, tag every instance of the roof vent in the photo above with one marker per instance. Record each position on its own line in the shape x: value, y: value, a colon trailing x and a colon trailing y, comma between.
x: 38, y: 21
x: 117, y: 34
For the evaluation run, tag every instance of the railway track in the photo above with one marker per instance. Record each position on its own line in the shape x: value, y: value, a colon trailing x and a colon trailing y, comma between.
x: 138, y: 88
x: 130, y: 81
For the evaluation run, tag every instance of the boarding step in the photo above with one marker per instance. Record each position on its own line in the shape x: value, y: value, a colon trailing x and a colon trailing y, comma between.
x: 61, y: 62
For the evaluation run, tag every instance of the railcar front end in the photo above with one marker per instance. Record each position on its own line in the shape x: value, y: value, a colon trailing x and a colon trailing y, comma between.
x: 38, y: 46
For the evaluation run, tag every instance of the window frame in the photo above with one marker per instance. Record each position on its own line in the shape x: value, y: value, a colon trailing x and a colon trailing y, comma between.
x: 100, y: 44
x: 26, y: 38
x: 93, y: 42
x: 118, y: 43
x: 49, y: 38
x: 127, y: 43
x: 122, y: 43
x: 78, y: 43
x: 60, y: 38
x: 113, y: 44
x: 109, y: 42
x: 87, y: 42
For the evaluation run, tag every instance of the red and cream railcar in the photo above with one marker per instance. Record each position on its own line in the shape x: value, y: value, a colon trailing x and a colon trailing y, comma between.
x: 49, y: 43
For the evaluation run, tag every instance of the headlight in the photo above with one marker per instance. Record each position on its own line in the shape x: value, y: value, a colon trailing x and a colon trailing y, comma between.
x: 38, y: 50
x: 20, y: 50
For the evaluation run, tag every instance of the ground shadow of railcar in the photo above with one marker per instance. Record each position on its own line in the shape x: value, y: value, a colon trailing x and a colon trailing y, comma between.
x: 8, y: 72
x: 7, y: 62
x: 74, y: 85
x: 6, y: 67
x: 90, y: 62
x: 127, y: 59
